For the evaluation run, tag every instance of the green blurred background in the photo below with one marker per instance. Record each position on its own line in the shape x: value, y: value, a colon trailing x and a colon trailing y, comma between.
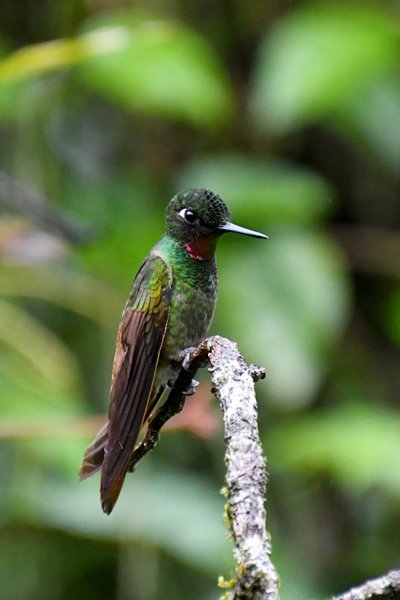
x: 289, y: 110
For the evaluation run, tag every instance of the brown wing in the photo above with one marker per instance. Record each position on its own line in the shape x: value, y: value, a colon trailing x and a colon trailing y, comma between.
x: 139, y: 341
x: 94, y: 454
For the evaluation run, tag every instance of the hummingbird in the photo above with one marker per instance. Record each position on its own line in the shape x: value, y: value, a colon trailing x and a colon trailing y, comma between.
x: 169, y: 309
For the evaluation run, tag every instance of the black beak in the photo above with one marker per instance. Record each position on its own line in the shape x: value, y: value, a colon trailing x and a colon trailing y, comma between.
x: 238, y: 229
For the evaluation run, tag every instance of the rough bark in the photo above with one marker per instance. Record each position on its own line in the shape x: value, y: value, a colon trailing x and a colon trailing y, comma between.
x: 246, y: 477
x: 386, y: 587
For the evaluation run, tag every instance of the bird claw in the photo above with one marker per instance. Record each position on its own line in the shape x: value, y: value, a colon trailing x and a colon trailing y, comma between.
x: 186, y: 358
x: 191, y: 388
x: 189, y: 391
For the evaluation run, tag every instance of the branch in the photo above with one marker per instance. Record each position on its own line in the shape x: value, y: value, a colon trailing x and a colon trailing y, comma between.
x: 34, y: 206
x: 246, y: 475
x: 233, y: 384
x: 386, y: 587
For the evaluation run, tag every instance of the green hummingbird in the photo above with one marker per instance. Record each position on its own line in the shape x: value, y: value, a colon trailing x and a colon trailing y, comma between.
x: 169, y: 310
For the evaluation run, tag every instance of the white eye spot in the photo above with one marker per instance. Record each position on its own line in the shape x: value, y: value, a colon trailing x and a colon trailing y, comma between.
x: 188, y: 214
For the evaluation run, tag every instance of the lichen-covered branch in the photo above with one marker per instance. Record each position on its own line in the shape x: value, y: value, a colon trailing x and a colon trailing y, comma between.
x: 246, y: 477
x: 233, y: 384
x: 386, y: 587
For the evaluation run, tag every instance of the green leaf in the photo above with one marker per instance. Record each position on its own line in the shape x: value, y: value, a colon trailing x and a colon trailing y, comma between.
x: 391, y: 316
x: 157, y: 67
x: 170, y: 510
x: 266, y: 190
x: 285, y: 301
x: 67, y: 288
x: 371, y: 119
x: 359, y: 444
x: 28, y: 393
x: 38, y: 379
x: 10, y: 92
x: 141, y: 63
x: 37, y: 345
x: 318, y: 57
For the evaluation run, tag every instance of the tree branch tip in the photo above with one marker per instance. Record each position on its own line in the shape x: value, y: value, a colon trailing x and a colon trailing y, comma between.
x: 257, y: 372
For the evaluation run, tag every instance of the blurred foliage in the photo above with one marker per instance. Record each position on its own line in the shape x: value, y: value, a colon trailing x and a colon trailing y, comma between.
x: 291, y: 112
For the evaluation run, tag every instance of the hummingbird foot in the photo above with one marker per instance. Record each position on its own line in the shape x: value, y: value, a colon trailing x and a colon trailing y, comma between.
x: 188, y: 358
x: 191, y: 388
x: 150, y: 440
x: 188, y: 391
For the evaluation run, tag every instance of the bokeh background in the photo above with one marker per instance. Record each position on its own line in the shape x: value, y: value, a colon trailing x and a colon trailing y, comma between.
x: 289, y: 110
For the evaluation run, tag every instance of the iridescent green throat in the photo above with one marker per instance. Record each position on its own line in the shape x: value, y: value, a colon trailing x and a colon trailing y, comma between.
x: 194, y: 260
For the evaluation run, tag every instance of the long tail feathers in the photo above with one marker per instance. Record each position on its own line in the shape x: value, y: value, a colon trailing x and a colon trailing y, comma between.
x: 112, y: 480
x: 94, y: 455
x: 93, y: 462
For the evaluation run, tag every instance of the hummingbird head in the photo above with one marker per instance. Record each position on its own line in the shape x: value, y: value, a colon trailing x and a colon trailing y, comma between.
x: 200, y: 214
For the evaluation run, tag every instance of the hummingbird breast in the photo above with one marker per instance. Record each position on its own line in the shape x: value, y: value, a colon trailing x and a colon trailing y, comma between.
x: 191, y: 313
x: 194, y: 296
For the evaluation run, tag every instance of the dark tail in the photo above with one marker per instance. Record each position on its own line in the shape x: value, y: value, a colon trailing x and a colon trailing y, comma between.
x: 94, y: 455
x: 116, y: 462
x: 93, y: 462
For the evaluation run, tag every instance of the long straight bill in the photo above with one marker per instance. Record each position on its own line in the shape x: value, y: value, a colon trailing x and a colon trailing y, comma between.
x: 231, y: 227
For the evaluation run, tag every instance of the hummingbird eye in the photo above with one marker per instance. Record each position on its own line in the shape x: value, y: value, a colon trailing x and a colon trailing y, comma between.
x: 188, y: 214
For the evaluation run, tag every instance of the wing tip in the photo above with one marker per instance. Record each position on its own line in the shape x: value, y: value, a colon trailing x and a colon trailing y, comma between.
x: 107, y: 507
x: 110, y: 489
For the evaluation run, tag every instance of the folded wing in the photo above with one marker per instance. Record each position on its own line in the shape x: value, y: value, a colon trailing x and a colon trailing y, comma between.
x: 139, y: 342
